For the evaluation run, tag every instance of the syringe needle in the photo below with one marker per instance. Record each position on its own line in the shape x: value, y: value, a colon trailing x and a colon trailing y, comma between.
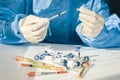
x: 57, y: 15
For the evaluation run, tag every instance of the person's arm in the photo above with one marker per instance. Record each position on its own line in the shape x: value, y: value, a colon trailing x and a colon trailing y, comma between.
x: 109, y: 35
x: 10, y: 14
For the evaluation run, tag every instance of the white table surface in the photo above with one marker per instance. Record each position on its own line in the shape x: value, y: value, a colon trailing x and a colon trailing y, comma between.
x: 107, y: 64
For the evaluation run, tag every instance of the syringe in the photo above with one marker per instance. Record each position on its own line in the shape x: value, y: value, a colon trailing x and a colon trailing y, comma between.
x: 53, y: 17
x: 57, y: 15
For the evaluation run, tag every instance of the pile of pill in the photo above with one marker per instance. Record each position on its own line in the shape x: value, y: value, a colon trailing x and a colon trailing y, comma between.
x: 68, y: 60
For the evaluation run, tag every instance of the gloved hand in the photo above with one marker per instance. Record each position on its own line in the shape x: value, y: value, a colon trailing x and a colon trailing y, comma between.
x: 92, y: 23
x: 33, y: 28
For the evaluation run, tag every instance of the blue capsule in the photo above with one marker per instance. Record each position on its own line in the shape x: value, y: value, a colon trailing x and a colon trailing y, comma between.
x: 78, y: 54
x: 70, y: 55
x: 64, y: 62
x: 41, y: 57
x: 46, y: 54
x: 36, y: 57
x: 86, y: 58
x: 78, y: 47
x: 57, y: 56
x: 45, y: 51
x: 49, y: 54
x: 77, y: 63
x: 58, y: 52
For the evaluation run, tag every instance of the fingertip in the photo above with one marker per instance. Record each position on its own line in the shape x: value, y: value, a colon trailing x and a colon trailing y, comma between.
x: 47, y: 20
x: 83, y: 9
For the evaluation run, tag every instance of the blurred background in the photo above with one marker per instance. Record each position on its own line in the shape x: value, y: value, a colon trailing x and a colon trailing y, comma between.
x: 114, y: 6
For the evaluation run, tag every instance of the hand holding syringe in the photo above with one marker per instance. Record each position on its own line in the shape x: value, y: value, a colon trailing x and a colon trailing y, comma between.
x: 92, y: 22
x: 35, y: 28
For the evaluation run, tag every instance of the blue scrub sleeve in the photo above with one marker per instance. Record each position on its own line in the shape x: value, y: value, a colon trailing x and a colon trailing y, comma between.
x: 11, y: 11
x: 110, y: 35
x: 9, y: 27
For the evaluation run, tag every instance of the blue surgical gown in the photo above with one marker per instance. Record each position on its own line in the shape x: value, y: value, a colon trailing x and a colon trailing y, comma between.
x: 63, y: 29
